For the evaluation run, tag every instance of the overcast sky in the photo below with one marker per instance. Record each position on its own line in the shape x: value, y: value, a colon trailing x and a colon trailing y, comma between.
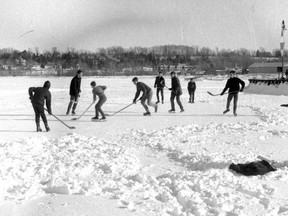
x: 91, y: 24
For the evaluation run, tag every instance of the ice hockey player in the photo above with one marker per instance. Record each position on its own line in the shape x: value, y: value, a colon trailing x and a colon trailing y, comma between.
x: 147, y: 95
x: 233, y: 84
x: 98, y: 91
x: 38, y: 95
x: 159, y: 85
x: 176, y: 91
x: 75, y: 89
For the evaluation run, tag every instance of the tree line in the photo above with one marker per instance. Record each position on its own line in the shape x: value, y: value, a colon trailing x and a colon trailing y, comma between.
x: 113, y: 60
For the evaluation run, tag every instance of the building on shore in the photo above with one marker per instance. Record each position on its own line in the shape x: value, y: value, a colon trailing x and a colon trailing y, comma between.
x: 268, y: 67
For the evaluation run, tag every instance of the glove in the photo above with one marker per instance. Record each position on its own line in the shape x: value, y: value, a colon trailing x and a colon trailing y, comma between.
x: 134, y: 101
x: 241, y: 90
x: 140, y: 98
x: 49, y: 112
x: 170, y: 89
x: 30, y: 98
x: 222, y: 93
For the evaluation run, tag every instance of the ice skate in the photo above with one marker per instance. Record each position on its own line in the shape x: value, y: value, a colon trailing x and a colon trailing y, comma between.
x: 156, y: 108
x: 39, y: 129
x: 147, y: 114
x: 103, y: 119
x: 47, y: 128
x: 226, y: 111
x: 95, y: 118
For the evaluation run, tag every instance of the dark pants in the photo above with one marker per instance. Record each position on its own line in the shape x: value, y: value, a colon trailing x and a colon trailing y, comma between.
x: 229, y: 99
x: 191, y: 96
x: 74, y: 102
x: 177, y: 100
x: 160, y: 90
x: 148, y: 97
x: 39, y: 111
x: 98, y: 107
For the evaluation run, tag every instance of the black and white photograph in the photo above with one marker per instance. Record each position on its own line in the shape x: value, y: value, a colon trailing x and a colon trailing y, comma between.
x: 143, y: 108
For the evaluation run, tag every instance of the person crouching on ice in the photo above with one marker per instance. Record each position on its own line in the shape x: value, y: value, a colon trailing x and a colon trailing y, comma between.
x: 147, y: 95
x: 37, y: 96
x: 233, y: 85
x: 98, y: 91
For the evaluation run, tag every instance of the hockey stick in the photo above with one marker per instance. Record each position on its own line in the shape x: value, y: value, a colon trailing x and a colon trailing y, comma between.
x: 169, y: 89
x: 220, y: 94
x: 261, y: 157
x: 123, y: 108
x: 83, y: 112
x: 70, y: 127
x: 272, y: 162
x: 165, y: 86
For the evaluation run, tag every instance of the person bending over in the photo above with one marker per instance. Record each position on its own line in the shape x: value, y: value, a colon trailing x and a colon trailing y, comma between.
x: 98, y: 91
x: 38, y: 95
x: 146, y: 96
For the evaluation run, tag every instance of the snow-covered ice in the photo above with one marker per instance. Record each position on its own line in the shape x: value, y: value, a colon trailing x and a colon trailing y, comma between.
x: 165, y: 164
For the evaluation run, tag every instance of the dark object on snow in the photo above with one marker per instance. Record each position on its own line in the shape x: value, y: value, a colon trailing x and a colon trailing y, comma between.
x: 253, y: 168
x: 284, y: 105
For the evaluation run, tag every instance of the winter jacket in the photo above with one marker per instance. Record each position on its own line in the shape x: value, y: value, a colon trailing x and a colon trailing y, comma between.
x: 99, y: 91
x: 39, y: 94
x: 75, y: 86
x: 253, y: 168
x: 159, y: 82
x: 140, y: 86
x: 191, y: 86
x: 176, y: 86
x: 233, y: 85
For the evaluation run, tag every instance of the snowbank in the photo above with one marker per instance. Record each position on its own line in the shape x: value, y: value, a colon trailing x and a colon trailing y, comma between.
x: 92, y: 166
x: 166, y: 164
x: 31, y: 166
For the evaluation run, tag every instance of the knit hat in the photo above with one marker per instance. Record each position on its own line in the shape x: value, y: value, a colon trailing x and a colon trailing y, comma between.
x: 47, y: 84
x: 93, y: 83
